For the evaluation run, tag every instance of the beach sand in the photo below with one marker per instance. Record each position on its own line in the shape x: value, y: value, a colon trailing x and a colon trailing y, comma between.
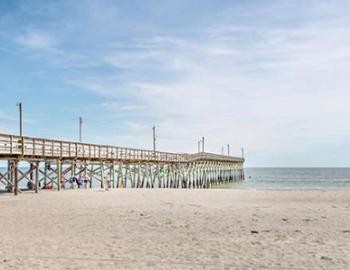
x: 175, y: 229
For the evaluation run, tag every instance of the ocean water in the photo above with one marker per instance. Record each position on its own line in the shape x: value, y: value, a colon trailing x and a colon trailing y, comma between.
x: 337, y: 179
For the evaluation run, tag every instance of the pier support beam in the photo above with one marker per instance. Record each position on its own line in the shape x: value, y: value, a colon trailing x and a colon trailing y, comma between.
x: 196, y: 174
x: 15, y: 176
x: 36, y: 188
x: 59, y: 174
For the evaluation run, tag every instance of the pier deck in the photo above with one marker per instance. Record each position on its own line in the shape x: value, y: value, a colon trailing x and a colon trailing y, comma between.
x: 120, y: 166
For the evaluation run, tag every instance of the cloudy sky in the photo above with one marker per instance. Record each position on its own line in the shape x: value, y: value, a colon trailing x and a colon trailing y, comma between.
x: 270, y: 76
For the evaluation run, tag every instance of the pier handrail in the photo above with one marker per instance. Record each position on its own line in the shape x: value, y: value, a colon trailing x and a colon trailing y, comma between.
x: 40, y: 148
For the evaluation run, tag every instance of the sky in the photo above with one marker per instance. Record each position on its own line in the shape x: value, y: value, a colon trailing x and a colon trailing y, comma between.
x: 270, y: 76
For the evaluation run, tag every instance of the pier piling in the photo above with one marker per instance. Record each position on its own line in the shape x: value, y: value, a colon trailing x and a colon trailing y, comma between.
x: 53, y: 163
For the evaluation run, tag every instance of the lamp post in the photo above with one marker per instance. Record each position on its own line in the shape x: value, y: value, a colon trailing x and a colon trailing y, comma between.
x: 154, y: 138
x: 80, y: 129
x: 20, y: 119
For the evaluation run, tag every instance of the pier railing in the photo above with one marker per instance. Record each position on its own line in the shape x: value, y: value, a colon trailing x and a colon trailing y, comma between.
x: 31, y: 147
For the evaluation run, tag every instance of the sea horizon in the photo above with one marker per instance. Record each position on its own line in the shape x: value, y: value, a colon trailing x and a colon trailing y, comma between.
x: 282, y: 178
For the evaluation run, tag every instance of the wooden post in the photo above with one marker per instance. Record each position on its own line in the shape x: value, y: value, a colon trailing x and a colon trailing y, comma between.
x: 112, y: 170
x: 102, y: 174
x: 45, y: 174
x: 15, y: 176
x: 80, y: 171
x: 31, y: 174
x: 126, y: 174
x: 37, y: 177
x: 10, y: 176
x: 158, y: 176
x: 138, y: 175
x: 85, y: 173
x: 59, y: 174
x: 74, y: 168
x: 91, y: 176
x: 135, y: 178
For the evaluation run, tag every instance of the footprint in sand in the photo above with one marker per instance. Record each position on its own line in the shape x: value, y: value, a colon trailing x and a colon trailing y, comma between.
x: 326, y: 258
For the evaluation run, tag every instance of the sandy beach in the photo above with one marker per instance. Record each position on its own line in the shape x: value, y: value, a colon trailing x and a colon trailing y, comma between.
x: 175, y: 229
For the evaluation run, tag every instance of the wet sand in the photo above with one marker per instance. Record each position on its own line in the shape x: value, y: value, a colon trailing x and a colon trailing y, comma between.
x: 175, y: 229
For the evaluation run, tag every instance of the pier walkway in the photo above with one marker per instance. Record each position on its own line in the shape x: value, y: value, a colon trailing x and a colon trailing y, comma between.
x: 53, y: 164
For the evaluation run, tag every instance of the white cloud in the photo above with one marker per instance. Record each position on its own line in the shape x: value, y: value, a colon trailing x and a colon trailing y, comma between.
x: 271, y: 80
x: 284, y: 92
x: 36, y: 40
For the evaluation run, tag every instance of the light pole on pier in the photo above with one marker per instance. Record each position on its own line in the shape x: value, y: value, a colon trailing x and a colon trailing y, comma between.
x: 154, y: 138
x: 199, y: 146
x: 242, y: 149
x: 20, y: 119
x: 80, y: 129
x: 228, y: 150
x: 203, y: 144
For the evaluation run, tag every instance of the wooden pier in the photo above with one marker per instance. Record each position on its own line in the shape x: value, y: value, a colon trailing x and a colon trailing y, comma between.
x: 52, y: 164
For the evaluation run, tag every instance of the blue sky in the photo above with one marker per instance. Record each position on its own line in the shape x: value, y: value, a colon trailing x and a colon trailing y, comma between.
x: 270, y: 76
